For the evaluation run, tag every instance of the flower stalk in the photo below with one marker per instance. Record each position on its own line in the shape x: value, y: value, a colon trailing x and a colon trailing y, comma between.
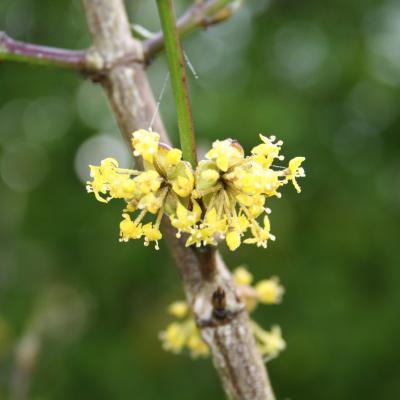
x: 179, y: 82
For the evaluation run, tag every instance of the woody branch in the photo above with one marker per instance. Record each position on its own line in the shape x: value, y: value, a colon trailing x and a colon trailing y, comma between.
x: 217, y: 308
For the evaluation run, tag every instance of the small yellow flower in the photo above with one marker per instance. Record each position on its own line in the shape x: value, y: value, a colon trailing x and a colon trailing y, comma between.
x: 178, y: 309
x: 102, y: 176
x: 269, y: 343
x: 260, y: 235
x: 201, y: 237
x: 214, y: 222
x: 145, y: 144
x: 183, y: 185
x: 174, y: 337
x: 242, y: 276
x: 184, y: 219
x: 148, y: 182
x: 225, y: 153
x: 174, y: 156
x: 294, y: 171
x: 184, y: 334
x: 129, y: 229
x: 151, y: 233
x: 233, y: 240
x: 267, y: 151
x: 197, y: 346
x: 150, y: 202
x: 269, y: 291
x: 203, y: 234
x: 210, y: 176
x: 274, y: 342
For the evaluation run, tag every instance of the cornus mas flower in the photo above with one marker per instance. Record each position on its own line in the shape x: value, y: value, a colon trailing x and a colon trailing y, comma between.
x: 269, y: 291
x: 164, y: 183
x: 234, y: 188
x: 266, y: 291
x: 269, y: 343
x: 183, y: 334
x: 225, y: 197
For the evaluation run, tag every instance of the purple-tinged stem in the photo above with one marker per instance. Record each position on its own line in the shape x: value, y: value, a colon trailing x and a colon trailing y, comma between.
x: 15, y: 50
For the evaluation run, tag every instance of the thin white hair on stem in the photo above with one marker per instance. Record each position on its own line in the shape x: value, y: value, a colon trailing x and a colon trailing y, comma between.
x: 190, y: 65
x: 161, y: 95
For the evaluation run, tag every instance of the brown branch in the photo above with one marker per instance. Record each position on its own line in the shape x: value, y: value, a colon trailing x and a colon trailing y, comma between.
x: 198, y: 15
x: 203, y: 272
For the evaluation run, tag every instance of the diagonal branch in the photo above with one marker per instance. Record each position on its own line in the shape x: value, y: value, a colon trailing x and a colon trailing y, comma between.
x: 203, y: 272
x: 198, y: 15
x: 116, y: 61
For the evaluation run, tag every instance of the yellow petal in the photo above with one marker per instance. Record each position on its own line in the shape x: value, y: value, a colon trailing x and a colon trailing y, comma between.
x: 174, y: 156
x: 233, y: 240
x: 242, y: 276
x: 178, y: 309
x: 295, y: 163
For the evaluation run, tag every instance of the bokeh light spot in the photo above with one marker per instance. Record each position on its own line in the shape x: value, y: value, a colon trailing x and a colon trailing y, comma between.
x: 95, y: 149
x: 299, y: 52
x: 46, y: 119
x: 382, y: 31
x: 24, y: 166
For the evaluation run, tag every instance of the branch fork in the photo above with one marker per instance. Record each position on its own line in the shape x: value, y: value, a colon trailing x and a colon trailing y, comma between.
x: 199, y: 15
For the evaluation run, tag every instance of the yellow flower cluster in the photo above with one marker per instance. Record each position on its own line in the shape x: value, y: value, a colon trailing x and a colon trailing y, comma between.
x: 222, y: 199
x: 184, y: 335
x: 266, y: 291
x: 269, y: 343
x: 165, y: 182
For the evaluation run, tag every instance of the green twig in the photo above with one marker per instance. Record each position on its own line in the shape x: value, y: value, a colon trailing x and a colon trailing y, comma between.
x: 177, y: 71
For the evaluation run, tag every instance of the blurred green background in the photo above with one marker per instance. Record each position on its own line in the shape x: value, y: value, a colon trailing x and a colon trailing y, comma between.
x: 322, y: 76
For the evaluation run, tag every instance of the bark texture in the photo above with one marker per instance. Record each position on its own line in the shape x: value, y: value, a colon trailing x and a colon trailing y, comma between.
x: 218, y: 310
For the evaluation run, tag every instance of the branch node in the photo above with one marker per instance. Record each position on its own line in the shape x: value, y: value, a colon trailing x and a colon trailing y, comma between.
x: 216, y: 304
x: 94, y: 60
